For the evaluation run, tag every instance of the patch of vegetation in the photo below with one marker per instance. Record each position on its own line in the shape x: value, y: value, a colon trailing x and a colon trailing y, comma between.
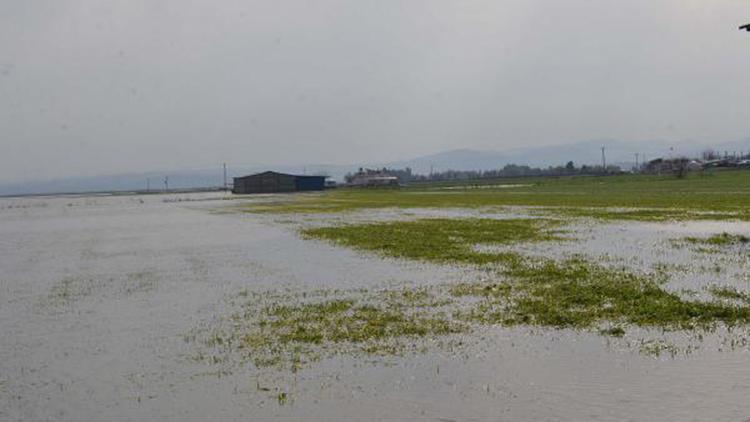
x: 570, y: 293
x: 291, y: 329
x: 657, y: 347
x: 327, y: 322
x: 414, y: 297
x: 71, y: 289
x: 714, y: 244
x: 726, y: 292
x: 137, y: 282
x: 282, y: 398
x: 576, y: 293
x: 439, y: 239
x: 615, y: 331
x: 638, y: 214
x: 345, y: 321
x: 721, y: 239
x: 722, y: 195
x: 487, y: 290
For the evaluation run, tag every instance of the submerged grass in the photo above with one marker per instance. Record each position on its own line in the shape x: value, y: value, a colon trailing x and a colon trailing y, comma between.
x: 570, y: 293
x: 726, y: 292
x: 70, y: 290
x: 721, y: 239
x: 289, y: 330
x: 293, y: 330
x: 714, y: 244
x: 340, y: 321
x: 639, y: 214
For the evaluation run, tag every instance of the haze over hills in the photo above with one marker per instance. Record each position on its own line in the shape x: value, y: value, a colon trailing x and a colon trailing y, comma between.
x: 589, y: 152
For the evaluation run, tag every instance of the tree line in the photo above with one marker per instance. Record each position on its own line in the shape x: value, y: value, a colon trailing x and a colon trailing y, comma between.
x: 406, y: 175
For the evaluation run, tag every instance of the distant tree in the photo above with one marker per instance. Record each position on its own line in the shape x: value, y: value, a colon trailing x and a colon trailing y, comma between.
x: 680, y: 169
x: 709, y: 154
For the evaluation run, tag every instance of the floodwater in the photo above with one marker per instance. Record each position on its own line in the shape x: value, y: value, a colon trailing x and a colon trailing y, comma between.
x: 98, y: 293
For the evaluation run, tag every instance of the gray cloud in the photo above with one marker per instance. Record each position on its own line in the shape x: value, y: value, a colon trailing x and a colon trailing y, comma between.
x: 91, y: 87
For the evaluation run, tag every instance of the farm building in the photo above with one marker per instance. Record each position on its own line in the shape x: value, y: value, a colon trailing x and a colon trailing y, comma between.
x: 672, y: 165
x: 271, y: 181
x: 372, y: 178
x: 374, y: 181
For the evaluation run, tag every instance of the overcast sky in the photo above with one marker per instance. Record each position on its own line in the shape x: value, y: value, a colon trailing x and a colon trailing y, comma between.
x: 95, y: 87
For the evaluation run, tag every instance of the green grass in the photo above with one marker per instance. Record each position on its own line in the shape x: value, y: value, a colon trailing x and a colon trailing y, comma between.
x: 348, y: 321
x: 714, y: 244
x: 731, y: 293
x: 538, y: 291
x: 641, y: 214
x: 657, y: 347
x: 282, y: 398
x: 615, y: 331
x: 722, y: 195
x: 721, y: 239
x: 580, y: 294
x: 292, y: 330
x: 439, y: 239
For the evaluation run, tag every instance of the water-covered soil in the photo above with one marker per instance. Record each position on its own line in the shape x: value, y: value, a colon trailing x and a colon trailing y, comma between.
x: 106, y: 303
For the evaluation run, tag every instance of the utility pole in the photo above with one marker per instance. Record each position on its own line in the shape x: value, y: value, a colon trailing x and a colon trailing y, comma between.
x: 636, y: 161
x: 225, y: 176
x: 604, y: 162
x: 166, y: 183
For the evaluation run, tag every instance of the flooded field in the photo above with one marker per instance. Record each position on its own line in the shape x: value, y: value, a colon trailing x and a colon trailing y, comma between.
x: 156, y: 307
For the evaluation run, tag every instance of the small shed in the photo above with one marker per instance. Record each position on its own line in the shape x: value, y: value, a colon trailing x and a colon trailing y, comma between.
x: 272, y: 182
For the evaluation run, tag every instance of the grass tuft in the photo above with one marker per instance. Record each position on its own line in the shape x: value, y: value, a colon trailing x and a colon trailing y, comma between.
x: 726, y: 292
x: 347, y: 321
x: 615, y: 331
x: 721, y: 239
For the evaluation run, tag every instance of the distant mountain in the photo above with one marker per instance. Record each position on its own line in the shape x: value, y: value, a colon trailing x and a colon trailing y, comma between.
x: 587, y: 152
x: 457, y: 159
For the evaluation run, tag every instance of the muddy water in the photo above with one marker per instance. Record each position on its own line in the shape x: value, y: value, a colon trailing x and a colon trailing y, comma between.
x: 96, y: 295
